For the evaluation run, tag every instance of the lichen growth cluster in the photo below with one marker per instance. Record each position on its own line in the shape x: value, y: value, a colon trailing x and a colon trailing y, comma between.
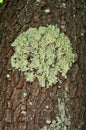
x: 55, y: 125
x: 63, y: 117
x: 43, y: 53
x: 62, y: 122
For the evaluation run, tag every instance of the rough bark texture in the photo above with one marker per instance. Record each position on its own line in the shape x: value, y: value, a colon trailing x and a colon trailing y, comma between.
x: 19, y: 112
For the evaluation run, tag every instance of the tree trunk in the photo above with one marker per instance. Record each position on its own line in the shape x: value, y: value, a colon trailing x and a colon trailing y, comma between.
x: 26, y: 106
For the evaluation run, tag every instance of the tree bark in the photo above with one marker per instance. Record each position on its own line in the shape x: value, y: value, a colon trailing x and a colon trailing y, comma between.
x: 30, y: 112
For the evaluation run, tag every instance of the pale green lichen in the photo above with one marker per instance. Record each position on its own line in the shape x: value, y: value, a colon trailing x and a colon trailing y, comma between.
x: 43, y: 53
x: 63, y: 117
x: 62, y: 122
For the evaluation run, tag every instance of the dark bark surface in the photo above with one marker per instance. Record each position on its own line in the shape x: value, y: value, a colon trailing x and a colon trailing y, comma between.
x: 20, y: 112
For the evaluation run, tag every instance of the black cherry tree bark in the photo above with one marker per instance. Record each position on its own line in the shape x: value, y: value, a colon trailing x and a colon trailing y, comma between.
x: 25, y: 105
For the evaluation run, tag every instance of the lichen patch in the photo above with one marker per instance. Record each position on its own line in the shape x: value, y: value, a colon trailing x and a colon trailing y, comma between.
x: 43, y: 53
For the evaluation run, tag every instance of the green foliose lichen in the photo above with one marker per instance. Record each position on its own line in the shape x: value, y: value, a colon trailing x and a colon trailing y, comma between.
x: 43, y: 53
